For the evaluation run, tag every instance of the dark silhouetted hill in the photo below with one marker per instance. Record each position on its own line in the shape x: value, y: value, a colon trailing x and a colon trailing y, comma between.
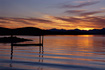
x: 4, y: 31
x: 27, y: 31
x: 77, y: 31
x: 37, y: 31
x: 21, y: 31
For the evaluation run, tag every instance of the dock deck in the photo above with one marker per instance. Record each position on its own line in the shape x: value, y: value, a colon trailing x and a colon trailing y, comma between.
x: 27, y: 44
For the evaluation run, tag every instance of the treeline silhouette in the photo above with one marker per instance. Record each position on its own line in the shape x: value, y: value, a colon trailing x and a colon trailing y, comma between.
x: 37, y: 31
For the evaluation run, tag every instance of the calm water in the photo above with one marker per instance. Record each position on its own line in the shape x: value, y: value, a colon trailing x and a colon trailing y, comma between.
x: 61, y: 52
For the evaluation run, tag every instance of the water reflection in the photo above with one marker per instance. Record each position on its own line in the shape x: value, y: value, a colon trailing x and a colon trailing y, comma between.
x: 41, y: 52
x: 11, y: 57
x: 11, y: 51
x: 59, y: 53
x: 40, y: 58
x: 81, y: 45
x: 41, y: 55
x: 78, y: 42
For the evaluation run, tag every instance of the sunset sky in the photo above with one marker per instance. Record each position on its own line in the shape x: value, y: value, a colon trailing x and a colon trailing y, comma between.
x: 48, y: 14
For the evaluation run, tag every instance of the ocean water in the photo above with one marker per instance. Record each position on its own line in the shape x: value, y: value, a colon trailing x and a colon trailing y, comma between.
x: 60, y: 52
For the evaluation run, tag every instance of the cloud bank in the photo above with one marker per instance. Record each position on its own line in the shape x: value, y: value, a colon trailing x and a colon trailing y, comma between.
x: 55, y: 22
x: 80, y: 5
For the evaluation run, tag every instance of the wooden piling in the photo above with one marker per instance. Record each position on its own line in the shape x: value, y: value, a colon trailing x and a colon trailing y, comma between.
x: 39, y: 39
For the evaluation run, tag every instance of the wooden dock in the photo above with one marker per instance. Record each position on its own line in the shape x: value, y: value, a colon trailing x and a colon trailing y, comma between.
x: 38, y: 44
x: 27, y: 44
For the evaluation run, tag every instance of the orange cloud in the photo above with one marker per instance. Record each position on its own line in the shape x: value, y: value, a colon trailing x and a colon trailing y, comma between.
x: 80, y: 22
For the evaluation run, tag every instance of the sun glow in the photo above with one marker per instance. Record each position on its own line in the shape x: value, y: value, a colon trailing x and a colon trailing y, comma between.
x: 86, y: 29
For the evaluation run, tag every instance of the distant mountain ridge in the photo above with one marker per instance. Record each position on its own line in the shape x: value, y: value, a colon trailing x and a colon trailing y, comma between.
x: 21, y: 31
x: 38, y: 31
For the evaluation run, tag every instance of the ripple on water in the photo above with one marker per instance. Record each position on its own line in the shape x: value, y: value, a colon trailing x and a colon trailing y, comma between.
x: 60, y: 53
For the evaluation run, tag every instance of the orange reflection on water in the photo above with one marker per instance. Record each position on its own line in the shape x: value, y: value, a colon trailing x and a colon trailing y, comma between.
x: 72, y: 41
x: 60, y: 49
x: 65, y: 44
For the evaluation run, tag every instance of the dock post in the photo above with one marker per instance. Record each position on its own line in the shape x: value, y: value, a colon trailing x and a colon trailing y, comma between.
x: 42, y: 42
x: 40, y: 39
x: 11, y: 35
x: 11, y: 48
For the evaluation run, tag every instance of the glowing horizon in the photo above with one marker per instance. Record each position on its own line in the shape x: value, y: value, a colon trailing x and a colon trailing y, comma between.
x: 48, y: 14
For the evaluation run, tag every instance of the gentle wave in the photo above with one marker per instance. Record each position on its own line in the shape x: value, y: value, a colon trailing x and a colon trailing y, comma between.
x: 57, y: 55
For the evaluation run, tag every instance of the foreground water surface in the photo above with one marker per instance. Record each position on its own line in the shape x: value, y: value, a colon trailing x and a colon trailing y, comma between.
x: 60, y: 52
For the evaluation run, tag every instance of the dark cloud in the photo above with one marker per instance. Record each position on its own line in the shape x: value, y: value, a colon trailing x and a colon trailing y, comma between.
x: 91, y: 13
x: 7, y: 20
x: 4, y: 18
x: 3, y: 22
x: 25, y: 20
x: 92, y: 22
x: 22, y: 21
x: 80, y: 5
x: 33, y: 20
x: 83, y: 12
x: 69, y: 19
x: 74, y: 11
x: 99, y: 21
x: 39, y: 20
